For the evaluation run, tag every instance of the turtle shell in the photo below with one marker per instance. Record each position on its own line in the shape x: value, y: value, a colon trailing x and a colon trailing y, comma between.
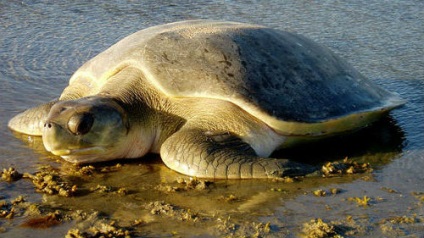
x: 286, y: 80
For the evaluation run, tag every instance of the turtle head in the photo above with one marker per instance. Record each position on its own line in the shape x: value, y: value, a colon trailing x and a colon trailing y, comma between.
x: 90, y: 129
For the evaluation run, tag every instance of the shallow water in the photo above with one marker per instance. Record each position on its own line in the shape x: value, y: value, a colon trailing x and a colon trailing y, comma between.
x: 43, y: 43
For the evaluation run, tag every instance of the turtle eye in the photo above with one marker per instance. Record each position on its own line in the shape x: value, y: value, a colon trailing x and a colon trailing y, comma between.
x: 80, y: 124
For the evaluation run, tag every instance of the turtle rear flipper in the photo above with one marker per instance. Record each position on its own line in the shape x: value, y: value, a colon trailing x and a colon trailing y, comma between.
x: 31, y: 121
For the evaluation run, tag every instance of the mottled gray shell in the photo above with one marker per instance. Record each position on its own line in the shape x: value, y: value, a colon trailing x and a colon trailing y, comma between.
x: 277, y: 76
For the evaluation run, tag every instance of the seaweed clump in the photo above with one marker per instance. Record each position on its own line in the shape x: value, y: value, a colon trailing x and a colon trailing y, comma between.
x: 162, y: 208
x: 331, y: 169
x: 185, y: 185
x: 396, y: 226
x: 46, y: 181
x: 10, y: 209
x: 10, y: 175
x: 50, y: 182
x: 317, y: 228
x: 100, y: 229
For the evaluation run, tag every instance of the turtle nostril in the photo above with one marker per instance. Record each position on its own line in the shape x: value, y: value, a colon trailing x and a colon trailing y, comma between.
x: 48, y: 125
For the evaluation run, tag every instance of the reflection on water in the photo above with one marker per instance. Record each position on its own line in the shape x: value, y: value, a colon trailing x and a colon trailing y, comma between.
x: 44, y: 42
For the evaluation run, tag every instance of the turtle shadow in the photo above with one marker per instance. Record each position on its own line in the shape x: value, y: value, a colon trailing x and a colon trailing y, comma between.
x: 377, y: 144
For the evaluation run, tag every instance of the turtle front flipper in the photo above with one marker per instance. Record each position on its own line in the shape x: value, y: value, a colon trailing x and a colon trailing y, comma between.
x: 222, y: 156
x: 31, y: 121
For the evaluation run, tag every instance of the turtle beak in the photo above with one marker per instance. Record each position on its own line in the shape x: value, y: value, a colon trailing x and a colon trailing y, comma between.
x: 51, y: 132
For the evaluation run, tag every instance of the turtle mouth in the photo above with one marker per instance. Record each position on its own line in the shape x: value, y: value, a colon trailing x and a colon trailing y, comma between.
x: 75, y: 152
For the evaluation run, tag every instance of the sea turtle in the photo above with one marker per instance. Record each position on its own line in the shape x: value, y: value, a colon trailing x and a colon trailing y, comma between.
x: 214, y: 98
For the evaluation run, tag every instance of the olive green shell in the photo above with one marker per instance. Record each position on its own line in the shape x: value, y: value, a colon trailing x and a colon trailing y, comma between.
x: 286, y: 80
